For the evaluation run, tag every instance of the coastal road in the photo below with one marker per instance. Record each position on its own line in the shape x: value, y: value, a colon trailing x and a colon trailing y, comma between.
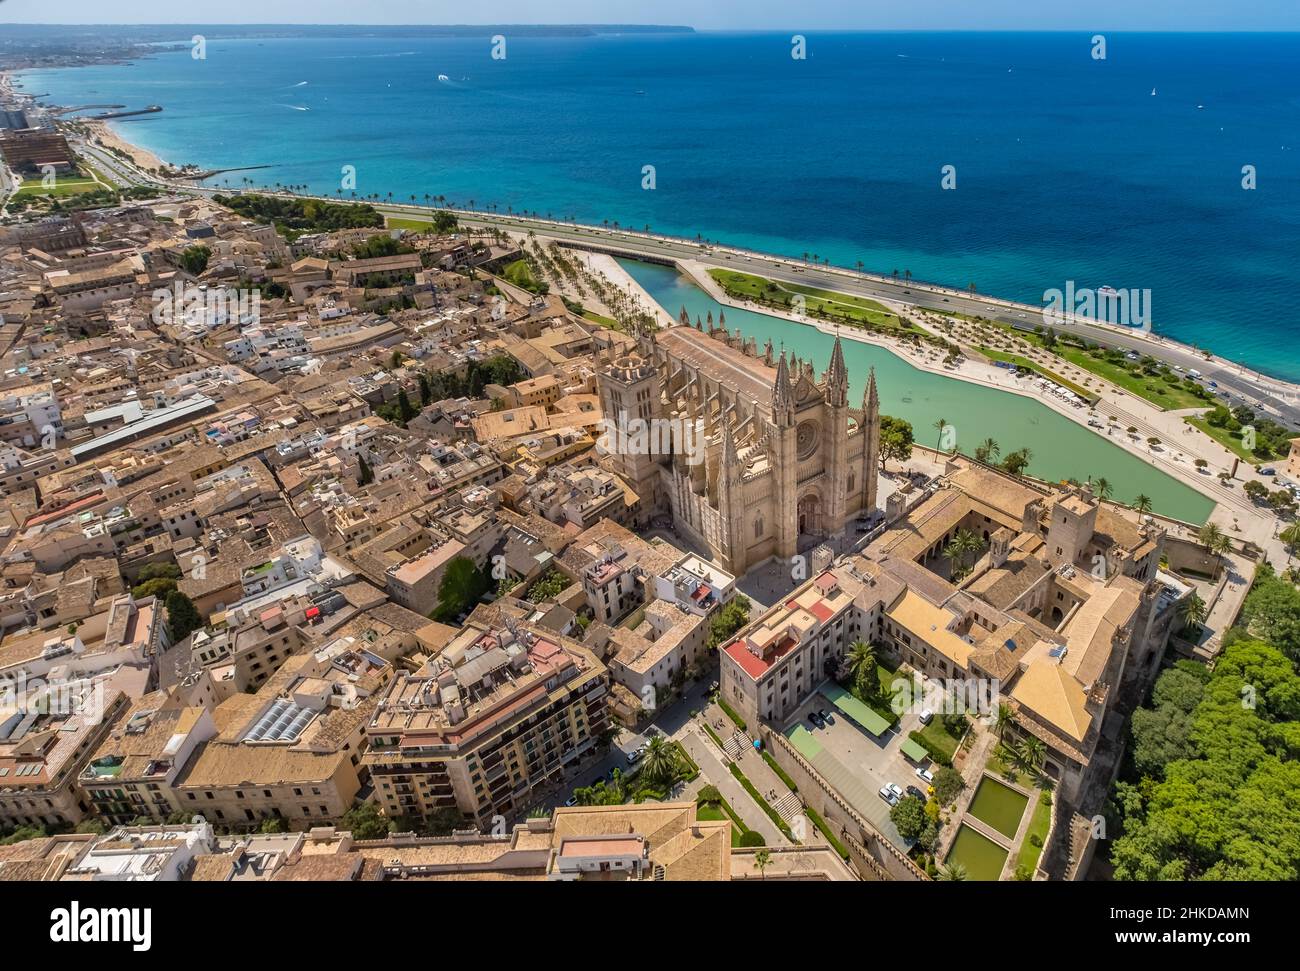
x: 1236, y: 384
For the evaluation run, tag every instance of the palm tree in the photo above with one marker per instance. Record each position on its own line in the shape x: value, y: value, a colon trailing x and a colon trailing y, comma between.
x: 941, y: 425
x: 1142, y: 504
x: 861, y: 659
x: 1004, y: 721
x: 988, y: 450
x: 1216, y: 541
x: 762, y: 857
x: 1291, y: 537
x: 660, y: 761
x: 1102, y: 488
x: 952, y: 872
x: 1192, y: 612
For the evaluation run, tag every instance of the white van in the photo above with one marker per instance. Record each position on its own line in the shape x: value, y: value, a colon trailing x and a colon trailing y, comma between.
x: 1193, y: 373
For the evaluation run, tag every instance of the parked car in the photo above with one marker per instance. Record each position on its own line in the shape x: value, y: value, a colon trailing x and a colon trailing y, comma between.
x: 924, y: 773
x: 817, y: 720
x: 827, y: 717
x: 571, y: 801
x: 634, y: 757
x: 1268, y: 471
x: 916, y: 793
x: 926, y: 716
x: 891, y: 793
x: 713, y: 687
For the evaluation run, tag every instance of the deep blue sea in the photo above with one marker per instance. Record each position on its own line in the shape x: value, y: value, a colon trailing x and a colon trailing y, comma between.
x: 1067, y: 168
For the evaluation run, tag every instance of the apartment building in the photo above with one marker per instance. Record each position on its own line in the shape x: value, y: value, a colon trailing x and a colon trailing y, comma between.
x: 498, y: 714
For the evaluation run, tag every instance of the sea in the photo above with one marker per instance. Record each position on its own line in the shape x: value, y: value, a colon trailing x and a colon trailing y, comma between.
x: 1128, y: 171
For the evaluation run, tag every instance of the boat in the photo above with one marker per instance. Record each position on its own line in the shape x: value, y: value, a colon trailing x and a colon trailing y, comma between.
x: 1153, y: 92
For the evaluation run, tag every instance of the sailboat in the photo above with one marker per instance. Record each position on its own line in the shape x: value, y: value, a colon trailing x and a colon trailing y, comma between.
x: 1153, y: 92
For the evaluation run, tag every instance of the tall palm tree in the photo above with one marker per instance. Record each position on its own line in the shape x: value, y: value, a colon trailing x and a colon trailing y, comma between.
x: 660, y: 761
x: 1291, y: 537
x: 940, y: 425
x: 952, y: 872
x: 1101, y: 488
x: 988, y: 450
x: 1142, y: 504
x: 1216, y: 541
x: 1192, y: 612
x: 861, y: 659
x: 762, y: 857
x: 1004, y: 721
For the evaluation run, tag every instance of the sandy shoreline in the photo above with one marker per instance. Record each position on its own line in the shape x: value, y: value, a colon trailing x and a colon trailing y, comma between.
x: 142, y: 157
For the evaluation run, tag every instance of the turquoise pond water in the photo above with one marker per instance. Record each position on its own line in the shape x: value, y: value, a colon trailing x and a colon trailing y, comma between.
x: 1061, y: 448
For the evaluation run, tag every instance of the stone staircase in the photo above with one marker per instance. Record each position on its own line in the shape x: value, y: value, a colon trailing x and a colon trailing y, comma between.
x: 738, y: 743
x: 788, y: 806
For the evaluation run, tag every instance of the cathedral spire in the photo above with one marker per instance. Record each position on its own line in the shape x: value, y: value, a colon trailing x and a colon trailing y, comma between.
x: 782, y: 395
x: 837, y: 378
x: 871, y: 399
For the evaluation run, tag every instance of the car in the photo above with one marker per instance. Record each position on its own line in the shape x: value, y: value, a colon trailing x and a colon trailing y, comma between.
x: 652, y: 730
x: 891, y: 793
x: 571, y: 801
x: 817, y: 720
x: 713, y: 687
x: 826, y: 716
x: 926, y: 716
x: 925, y: 774
x: 1214, y: 384
x: 1268, y: 471
x: 916, y: 793
x: 634, y: 757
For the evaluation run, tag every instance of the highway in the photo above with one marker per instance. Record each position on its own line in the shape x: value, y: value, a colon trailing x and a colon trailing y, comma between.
x: 1237, y: 384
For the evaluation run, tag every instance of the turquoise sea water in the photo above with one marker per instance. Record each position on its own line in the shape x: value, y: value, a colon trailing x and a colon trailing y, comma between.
x: 1067, y: 168
x: 1061, y: 448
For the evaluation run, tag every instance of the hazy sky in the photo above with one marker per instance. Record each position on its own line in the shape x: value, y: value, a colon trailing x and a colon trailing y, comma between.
x: 708, y: 15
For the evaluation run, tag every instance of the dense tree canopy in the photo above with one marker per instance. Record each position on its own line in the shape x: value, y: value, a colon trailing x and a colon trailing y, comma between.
x: 1225, y: 807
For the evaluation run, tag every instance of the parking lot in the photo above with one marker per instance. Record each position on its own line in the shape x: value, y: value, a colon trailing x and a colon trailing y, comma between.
x: 856, y: 763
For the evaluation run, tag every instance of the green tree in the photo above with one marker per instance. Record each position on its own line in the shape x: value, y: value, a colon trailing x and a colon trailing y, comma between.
x: 726, y: 621
x: 365, y: 822
x: 194, y: 259
x: 948, y: 784
x: 896, y: 440
x: 762, y: 858
x: 158, y: 587
x: 1142, y: 504
x: 953, y: 872
x: 660, y: 763
x: 183, y: 617
x: 460, y: 589
x: 988, y: 450
x: 909, y: 817
x: 1192, y: 613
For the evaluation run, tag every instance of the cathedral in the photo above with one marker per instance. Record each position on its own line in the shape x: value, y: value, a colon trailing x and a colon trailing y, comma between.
x: 786, y: 463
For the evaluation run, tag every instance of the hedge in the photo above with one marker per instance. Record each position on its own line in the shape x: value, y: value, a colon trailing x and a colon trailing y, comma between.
x: 730, y: 712
x: 780, y: 772
x: 825, y: 830
x: 939, y: 757
x: 772, y: 814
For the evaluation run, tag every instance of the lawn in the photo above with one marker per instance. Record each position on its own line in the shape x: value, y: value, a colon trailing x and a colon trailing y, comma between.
x: 1038, y: 826
x: 817, y: 302
x: 604, y: 321
x: 718, y: 811
x: 414, y: 225
x: 1126, y: 375
x: 937, y: 740
x: 1229, y: 440
x: 63, y: 186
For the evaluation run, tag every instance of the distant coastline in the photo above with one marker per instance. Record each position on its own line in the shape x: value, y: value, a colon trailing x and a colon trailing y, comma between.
x: 490, y: 187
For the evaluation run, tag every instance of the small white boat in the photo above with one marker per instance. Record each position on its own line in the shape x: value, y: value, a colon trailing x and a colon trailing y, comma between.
x: 1153, y: 92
